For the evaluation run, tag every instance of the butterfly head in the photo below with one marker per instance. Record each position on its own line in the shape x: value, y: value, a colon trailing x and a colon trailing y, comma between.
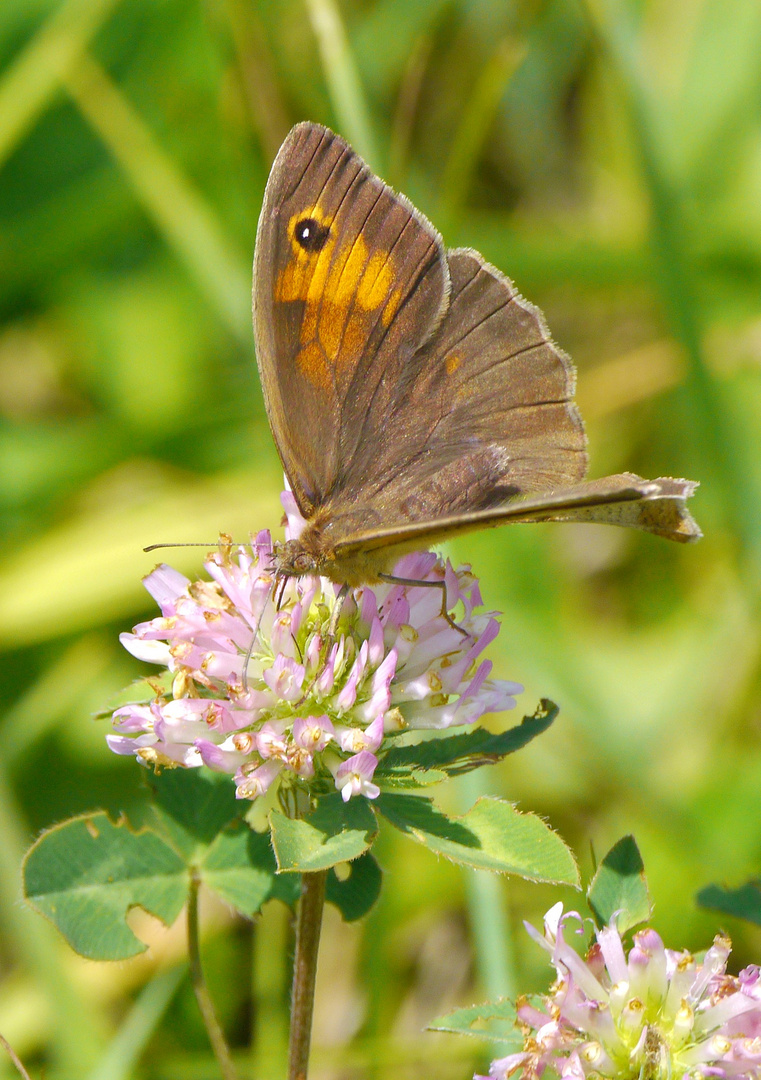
x: 293, y: 559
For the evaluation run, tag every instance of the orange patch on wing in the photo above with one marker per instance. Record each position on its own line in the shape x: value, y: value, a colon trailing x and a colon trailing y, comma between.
x: 312, y: 362
x: 452, y: 363
x: 391, y: 307
x: 342, y: 286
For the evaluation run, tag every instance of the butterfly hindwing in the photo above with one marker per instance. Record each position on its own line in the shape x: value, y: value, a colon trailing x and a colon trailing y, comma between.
x: 481, y: 413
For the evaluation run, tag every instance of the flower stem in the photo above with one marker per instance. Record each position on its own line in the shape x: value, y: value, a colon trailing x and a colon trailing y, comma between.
x: 308, y: 924
x: 214, y: 1031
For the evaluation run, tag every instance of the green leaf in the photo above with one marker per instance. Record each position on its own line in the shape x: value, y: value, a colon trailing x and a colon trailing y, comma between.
x: 412, y: 781
x: 493, y: 1020
x: 355, y: 894
x: 493, y: 835
x: 138, y: 692
x: 240, y: 867
x: 335, y: 832
x: 743, y: 902
x: 460, y: 753
x: 619, y: 888
x: 86, y: 874
x: 192, y: 806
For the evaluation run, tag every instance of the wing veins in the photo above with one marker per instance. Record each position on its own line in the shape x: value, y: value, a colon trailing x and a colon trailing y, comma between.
x: 509, y: 356
x: 347, y: 158
x: 420, y: 270
x: 307, y: 167
x: 477, y: 325
x: 403, y: 533
x: 471, y: 329
x: 516, y: 408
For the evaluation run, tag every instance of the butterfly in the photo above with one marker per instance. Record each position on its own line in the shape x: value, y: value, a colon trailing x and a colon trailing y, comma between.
x: 413, y: 394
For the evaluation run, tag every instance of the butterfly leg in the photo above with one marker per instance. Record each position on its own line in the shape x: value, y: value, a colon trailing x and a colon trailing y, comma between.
x: 250, y: 650
x: 279, y: 584
x: 394, y: 580
x: 336, y: 613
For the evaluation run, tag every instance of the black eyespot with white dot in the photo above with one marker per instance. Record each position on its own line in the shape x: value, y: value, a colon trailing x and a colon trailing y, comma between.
x: 311, y: 234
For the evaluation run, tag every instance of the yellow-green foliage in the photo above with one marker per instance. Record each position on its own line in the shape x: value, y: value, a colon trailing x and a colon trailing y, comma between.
x: 606, y: 154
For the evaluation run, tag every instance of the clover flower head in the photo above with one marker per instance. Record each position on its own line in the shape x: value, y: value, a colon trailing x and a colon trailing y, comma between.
x: 654, y: 1014
x: 260, y: 690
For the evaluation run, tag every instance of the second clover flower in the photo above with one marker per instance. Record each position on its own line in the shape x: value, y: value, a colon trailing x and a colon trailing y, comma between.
x: 654, y: 1014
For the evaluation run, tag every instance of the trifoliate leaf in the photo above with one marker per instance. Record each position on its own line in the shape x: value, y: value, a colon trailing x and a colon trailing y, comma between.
x: 493, y: 835
x: 335, y: 832
x: 355, y: 891
x: 493, y: 1020
x: 743, y: 902
x: 619, y: 888
x: 457, y: 754
x: 240, y: 867
x: 86, y: 874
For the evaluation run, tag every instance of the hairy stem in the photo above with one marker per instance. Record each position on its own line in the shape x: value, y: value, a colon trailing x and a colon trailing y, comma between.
x: 214, y: 1031
x: 308, y: 924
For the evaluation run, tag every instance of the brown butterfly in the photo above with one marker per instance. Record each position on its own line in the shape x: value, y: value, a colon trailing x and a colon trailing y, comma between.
x: 412, y: 393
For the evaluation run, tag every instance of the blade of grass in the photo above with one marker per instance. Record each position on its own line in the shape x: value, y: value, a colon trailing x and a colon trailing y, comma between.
x: 407, y: 103
x: 271, y: 947
x: 18, y: 16
x: 266, y: 106
x: 74, y: 1045
x: 138, y: 1027
x: 398, y: 24
x: 721, y: 459
x: 178, y: 210
x: 87, y: 570
x: 53, y: 696
x: 35, y: 75
x: 17, y: 1062
x: 342, y: 77
x: 475, y: 122
x: 634, y: 376
x: 489, y: 924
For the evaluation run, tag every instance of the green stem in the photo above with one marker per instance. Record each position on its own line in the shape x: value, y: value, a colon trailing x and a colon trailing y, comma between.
x: 14, y: 1057
x: 473, y: 129
x: 214, y: 1031
x: 342, y: 77
x: 309, y: 922
x: 490, y: 925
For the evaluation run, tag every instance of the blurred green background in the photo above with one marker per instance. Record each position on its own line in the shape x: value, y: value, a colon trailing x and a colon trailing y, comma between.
x: 606, y: 154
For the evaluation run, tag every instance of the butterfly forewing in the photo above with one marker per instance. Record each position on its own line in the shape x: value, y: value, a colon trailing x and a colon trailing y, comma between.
x: 348, y: 281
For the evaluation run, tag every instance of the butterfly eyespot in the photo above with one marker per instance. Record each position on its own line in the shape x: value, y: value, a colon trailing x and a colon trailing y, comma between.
x: 311, y: 234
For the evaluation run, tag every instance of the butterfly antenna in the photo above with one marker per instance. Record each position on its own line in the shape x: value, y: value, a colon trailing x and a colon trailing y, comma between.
x: 250, y: 649
x: 213, y: 543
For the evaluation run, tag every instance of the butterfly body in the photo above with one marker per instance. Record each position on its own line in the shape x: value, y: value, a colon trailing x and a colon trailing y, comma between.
x: 313, y: 554
x: 412, y: 392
